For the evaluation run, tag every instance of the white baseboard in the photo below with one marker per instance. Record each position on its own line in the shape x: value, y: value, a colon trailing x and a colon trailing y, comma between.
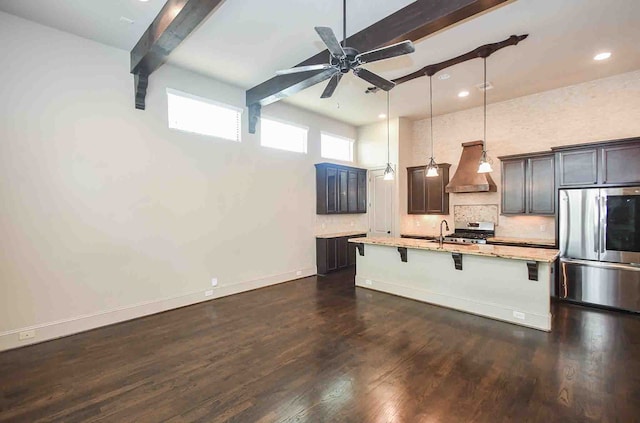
x: 480, y: 308
x: 70, y: 326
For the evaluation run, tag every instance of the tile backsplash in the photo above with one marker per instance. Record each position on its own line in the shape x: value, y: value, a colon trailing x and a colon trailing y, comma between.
x: 476, y: 213
x: 328, y: 224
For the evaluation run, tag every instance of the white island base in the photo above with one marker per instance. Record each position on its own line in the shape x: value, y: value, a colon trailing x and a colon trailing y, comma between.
x: 487, y: 285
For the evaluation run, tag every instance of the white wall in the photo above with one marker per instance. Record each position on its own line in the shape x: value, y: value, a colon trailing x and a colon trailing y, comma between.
x: 598, y: 110
x: 107, y: 214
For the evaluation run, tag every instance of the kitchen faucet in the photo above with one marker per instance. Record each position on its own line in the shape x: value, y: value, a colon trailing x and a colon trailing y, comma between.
x: 441, y: 239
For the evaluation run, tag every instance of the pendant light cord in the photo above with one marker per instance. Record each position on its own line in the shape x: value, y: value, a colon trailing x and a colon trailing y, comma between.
x: 431, y: 111
x: 484, y: 139
x: 388, y: 132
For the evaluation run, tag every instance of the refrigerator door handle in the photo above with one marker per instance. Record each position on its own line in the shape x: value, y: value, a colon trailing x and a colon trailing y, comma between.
x: 596, y: 227
x: 603, y: 223
x: 565, y: 220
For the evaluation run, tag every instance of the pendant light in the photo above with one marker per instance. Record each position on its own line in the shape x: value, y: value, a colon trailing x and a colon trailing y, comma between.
x: 388, y: 172
x: 432, y: 167
x: 485, y: 163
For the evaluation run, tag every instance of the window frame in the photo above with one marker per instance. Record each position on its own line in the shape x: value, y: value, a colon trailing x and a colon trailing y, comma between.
x: 286, y: 122
x: 209, y: 101
x: 351, y: 141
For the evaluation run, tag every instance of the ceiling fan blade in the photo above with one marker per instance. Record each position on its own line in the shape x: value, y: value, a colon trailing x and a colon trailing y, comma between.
x: 374, y: 79
x: 330, y: 40
x: 388, y: 52
x: 331, y: 86
x: 303, y: 69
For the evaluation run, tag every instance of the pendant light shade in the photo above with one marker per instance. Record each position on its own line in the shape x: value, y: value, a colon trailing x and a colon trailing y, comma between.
x: 388, y: 172
x: 484, y: 166
x: 432, y: 167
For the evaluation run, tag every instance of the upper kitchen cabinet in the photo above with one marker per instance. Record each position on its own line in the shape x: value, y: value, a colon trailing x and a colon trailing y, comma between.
x: 340, y: 189
x: 528, y: 185
x: 605, y: 163
x: 427, y: 195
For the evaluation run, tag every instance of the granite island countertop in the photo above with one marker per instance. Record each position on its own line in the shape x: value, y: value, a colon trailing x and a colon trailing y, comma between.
x: 523, y: 241
x: 545, y: 255
x: 341, y: 234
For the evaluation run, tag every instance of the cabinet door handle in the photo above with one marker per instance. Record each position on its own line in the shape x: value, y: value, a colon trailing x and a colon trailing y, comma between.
x: 388, y: 232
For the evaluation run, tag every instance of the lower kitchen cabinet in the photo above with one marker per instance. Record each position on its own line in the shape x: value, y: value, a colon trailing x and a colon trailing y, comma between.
x: 335, y: 253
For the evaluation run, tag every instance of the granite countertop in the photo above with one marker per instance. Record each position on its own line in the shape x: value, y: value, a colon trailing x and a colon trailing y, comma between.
x: 419, y: 235
x: 341, y: 234
x: 526, y: 241
x: 517, y: 253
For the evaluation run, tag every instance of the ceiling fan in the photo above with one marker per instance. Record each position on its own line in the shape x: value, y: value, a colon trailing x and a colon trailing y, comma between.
x: 343, y: 59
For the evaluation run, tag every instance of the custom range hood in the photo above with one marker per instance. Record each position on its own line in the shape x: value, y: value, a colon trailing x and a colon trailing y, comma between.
x: 467, y: 178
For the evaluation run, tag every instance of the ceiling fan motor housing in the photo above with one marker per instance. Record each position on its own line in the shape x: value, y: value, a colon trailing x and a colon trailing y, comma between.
x: 348, y: 62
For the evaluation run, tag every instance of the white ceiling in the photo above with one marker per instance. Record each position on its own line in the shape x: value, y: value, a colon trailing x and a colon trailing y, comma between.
x: 97, y: 20
x: 245, y: 41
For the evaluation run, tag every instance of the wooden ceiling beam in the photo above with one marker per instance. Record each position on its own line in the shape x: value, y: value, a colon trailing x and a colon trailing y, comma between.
x: 174, y: 23
x: 485, y: 50
x: 413, y: 22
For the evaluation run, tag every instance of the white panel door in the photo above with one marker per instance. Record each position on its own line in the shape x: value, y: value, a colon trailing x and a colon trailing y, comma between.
x: 381, y: 204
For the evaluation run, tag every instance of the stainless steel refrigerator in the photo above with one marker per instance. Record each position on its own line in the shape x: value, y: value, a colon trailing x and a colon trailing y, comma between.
x: 599, y: 239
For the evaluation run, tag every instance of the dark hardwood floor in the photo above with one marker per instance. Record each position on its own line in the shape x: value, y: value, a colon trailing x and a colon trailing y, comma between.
x: 320, y: 350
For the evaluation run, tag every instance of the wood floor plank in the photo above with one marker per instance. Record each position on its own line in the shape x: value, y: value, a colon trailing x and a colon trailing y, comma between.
x: 318, y: 349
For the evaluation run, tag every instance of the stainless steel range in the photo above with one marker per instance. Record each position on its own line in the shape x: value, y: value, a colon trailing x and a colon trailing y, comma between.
x: 471, y: 233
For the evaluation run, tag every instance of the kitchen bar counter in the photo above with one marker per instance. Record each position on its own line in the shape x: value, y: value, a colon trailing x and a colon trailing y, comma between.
x: 511, y: 284
x: 498, y: 240
x: 517, y: 253
x: 523, y: 241
x: 341, y: 234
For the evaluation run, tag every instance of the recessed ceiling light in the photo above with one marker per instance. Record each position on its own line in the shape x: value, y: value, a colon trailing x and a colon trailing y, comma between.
x: 485, y: 86
x: 444, y: 76
x: 382, y: 116
x: 144, y: 1
x: 463, y: 94
x: 602, y: 56
x: 126, y: 20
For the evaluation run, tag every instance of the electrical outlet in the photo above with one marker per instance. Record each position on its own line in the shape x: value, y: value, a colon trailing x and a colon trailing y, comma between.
x: 208, y: 293
x: 353, y: 224
x: 368, y: 282
x: 543, y: 228
x: 298, y: 272
x: 214, y: 281
x: 27, y: 334
x: 518, y: 315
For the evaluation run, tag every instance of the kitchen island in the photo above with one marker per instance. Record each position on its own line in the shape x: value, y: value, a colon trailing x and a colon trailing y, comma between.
x: 512, y: 284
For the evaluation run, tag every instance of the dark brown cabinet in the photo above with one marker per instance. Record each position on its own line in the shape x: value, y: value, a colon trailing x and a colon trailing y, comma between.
x: 427, y: 195
x: 607, y: 163
x: 620, y: 164
x: 335, y: 253
x: 340, y: 189
x: 528, y: 184
x: 578, y: 168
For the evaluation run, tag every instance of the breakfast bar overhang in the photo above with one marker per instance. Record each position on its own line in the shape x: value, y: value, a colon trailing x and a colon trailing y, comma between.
x: 505, y: 283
